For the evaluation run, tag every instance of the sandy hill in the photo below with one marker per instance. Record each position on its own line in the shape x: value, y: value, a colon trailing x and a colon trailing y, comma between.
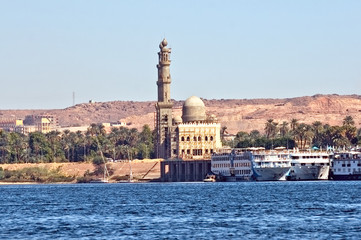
x: 236, y: 114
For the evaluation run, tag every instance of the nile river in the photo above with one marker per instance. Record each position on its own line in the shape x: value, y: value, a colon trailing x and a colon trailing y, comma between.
x: 247, y: 210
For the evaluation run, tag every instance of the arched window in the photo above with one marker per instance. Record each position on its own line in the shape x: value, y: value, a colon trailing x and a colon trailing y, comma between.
x: 194, y: 138
x: 211, y: 138
x: 206, y: 138
x: 188, y: 139
x: 182, y: 139
x: 199, y: 138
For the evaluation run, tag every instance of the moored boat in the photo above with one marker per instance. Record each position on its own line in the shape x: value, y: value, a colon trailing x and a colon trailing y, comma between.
x: 270, y: 165
x: 232, y: 165
x: 309, y: 166
x: 346, y: 166
x: 250, y: 164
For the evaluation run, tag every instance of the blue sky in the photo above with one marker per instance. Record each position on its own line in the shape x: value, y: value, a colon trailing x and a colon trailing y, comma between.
x: 107, y: 50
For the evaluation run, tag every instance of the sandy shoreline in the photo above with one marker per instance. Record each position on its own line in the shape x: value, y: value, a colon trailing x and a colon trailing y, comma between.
x: 18, y: 183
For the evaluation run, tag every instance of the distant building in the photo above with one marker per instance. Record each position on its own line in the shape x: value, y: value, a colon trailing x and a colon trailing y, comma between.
x: 195, y: 135
x: 10, y: 124
x: 108, y: 126
x: 31, y: 123
x: 41, y: 123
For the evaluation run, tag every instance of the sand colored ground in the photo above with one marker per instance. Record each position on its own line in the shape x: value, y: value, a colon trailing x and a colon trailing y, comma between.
x: 143, y: 170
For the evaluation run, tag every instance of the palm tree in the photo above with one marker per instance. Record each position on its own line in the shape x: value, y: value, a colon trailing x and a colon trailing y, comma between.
x: 284, y: 129
x: 65, y: 141
x: 317, y: 129
x: 38, y: 145
x: 80, y: 149
x: 303, y: 134
x: 350, y: 129
x: 294, y: 124
x: 54, y: 139
x: 332, y: 135
x: 113, y: 138
x: 18, y: 146
x: 132, y: 138
x: 270, y: 128
x: 4, y: 144
x: 348, y: 120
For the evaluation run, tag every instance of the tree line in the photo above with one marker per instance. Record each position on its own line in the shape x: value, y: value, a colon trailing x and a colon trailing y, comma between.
x: 125, y: 143
x: 66, y: 146
x: 297, y: 134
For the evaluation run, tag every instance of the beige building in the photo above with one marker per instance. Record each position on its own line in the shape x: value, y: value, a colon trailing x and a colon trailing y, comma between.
x: 41, y: 123
x: 10, y: 124
x: 195, y: 135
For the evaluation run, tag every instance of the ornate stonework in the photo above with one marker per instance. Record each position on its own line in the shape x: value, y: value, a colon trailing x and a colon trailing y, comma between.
x: 195, y: 135
x: 164, y: 104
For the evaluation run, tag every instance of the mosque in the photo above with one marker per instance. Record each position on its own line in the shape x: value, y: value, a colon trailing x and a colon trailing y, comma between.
x: 195, y: 135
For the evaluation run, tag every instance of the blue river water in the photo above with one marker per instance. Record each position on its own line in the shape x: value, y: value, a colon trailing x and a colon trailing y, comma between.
x: 245, y: 210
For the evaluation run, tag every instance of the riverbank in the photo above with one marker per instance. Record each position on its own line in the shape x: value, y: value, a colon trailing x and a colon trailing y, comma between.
x: 141, y: 170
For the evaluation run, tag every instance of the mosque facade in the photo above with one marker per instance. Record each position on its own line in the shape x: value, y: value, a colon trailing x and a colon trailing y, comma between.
x: 195, y: 135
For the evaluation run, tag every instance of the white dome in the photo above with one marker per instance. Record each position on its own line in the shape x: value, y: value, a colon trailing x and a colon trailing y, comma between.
x: 194, y: 110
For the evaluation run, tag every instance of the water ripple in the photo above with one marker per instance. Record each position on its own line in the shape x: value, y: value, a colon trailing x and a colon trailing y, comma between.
x: 277, y: 210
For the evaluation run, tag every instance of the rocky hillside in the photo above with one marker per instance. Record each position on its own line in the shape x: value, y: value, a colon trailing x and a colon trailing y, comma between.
x: 236, y: 114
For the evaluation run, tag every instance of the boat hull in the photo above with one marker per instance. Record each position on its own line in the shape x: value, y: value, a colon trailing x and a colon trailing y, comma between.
x: 299, y: 173
x: 349, y: 177
x: 270, y: 173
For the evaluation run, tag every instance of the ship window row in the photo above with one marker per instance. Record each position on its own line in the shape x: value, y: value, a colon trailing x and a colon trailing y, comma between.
x: 349, y: 165
x: 221, y: 165
x: 309, y: 157
x: 348, y: 156
x: 221, y: 159
x: 240, y: 158
x: 311, y: 164
x: 348, y: 170
x: 242, y: 172
x: 245, y: 164
x: 195, y: 139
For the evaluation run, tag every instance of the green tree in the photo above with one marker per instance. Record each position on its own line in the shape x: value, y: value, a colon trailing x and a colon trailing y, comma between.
x: 4, y: 146
x: 284, y: 129
x: 317, y: 129
x: 39, y: 147
x: 53, y: 138
x: 349, y: 129
x: 303, y: 135
x: 17, y: 147
x: 270, y: 128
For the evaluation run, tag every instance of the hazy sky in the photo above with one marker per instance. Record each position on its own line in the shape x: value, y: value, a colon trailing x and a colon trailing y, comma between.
x: 107, y: 50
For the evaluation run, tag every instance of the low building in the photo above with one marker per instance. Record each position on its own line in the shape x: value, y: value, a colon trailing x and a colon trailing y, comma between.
x: 43, y: 123
x: 10, y: 124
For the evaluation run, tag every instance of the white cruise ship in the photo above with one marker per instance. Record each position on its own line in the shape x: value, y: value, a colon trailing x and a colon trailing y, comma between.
x: 309, y: 166
x: 250, y: 164
x: 270, y: 165
x: 232, y: 164
x: 346, y: 166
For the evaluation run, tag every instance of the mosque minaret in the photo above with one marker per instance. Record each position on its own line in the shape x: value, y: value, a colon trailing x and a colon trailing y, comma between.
x: 164, y: 105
